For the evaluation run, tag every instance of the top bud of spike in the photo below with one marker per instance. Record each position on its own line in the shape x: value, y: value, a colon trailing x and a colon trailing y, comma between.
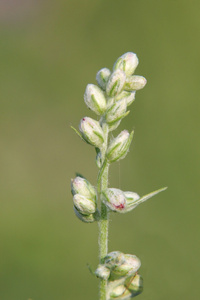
x: 128, y: 62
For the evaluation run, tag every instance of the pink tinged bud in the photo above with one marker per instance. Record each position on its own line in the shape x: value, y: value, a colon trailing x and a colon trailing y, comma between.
x: 116, y: 112
x: 129, y: 267
x: 115, y: 83
x: 80, y: 185
x: 134, y: 83
x: 84, y: 205
x: 119, y: 146
x: 94, y: 98
x: 128, y: 62
x: 114, y: 199
x: 91, y: 132
x: 102, y: 77
x: 129, y: 96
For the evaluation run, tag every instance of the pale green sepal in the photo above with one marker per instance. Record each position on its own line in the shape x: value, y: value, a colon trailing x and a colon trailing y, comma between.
x: 129, y: 96
x: 116, y: 111
x: 134, y: 83
x: 84, y: 218
x: 132, y: 204
x: 94, y: 98
x: 115, y: 83
x: 84, y: 205
x: 102, y: 77
x: 77, y: 132
x: 134, y: 285
x: 91, y: 132
x: 102, y: 272
x: 119, y: 146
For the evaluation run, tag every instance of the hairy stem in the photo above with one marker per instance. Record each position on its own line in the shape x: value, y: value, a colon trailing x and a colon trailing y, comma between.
x: 103, y: 223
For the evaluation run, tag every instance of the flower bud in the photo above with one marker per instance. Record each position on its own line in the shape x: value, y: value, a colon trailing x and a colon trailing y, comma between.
x: 129, y: 96
x: 119, y: 146
x: 116, y: 112
x: 115, y: 83
x: 85, y: 218
x: 84, y: 205
x: 118, y: 291
x: 113, y: 259
x: 94, y: 98
x: 131, y: 199
x: 82, y: 186
x: 102, y: 77
x: 114, y: 199
x: 91, y: 132
x: 134, y: 83
x: 128, y: 62
x: 135, y: 285
x: 102, y: 272
x: 129, y: 267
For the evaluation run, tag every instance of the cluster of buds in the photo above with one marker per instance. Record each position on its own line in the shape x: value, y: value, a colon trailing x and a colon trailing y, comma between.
x: 121, y: 272
x: 109, y: 99
x: 84, y: 199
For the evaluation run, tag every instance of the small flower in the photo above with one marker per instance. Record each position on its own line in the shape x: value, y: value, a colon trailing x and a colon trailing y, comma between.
x: 95, y: 99
x: 134, y: 83
x: 91, y: 132
x: 102, y: 77
x: 129, y: 96
x: 128, y: 62
x: 119, y: 146
x: 115, y: 83
x: 85, y: 218
x: 134, y: 284
x: 114, y: 259
x: 129, y: 267
x: 114, y: 199
x: 116, y: 112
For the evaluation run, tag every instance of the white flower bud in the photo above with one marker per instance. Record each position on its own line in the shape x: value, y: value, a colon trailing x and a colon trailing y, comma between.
x: 134, y: 284
x: 94, y: 98
x: 102, y: 77
x: 131, y: 199
x: 129, y: 96
x: 114, y: 199
x: 91, y: 132
x: 128, y: 62
x: 113, y: 259
x: 118, y: 291
x: 80, y: 185
x: 119, y: 146
x: 129, y: 267
x: 85, y: 218
x: 134, y: 83
x: 116, y: 112
x: 115, y: 83
x: 84, y: 205
x: 102, y: 272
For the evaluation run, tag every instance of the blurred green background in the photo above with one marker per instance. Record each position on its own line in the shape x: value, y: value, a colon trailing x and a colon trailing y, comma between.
x: 49, y: 52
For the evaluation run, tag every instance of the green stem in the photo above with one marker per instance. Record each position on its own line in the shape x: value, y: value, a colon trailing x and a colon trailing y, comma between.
x: 104, y: 220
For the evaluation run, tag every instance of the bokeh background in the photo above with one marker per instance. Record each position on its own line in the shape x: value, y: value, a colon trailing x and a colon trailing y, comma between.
x: 49, y: 52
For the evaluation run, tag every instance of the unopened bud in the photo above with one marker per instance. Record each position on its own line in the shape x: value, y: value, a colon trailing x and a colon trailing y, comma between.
x: 85, y: 218
x: 114, y: 199
x: 113, y: 259
x: 116, y: 112
x: 82, y: 186
x: 134, y: 285
x: 129, y: 267
x: 102, y: 272
x: 102, y: 77
x: 115, y: 83
x: 91, y: 132
x: 95, y: 99
x: 134, y: 83
x: 118, y: 291
x: 119, y: 146
x: 129, y: 96
x: 131, y: 200
x: 84, y: 205
x: 128, y: 62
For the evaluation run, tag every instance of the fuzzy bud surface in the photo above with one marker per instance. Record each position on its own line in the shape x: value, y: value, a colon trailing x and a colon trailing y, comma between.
x: 94, y: 98
x: 91, y: 132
